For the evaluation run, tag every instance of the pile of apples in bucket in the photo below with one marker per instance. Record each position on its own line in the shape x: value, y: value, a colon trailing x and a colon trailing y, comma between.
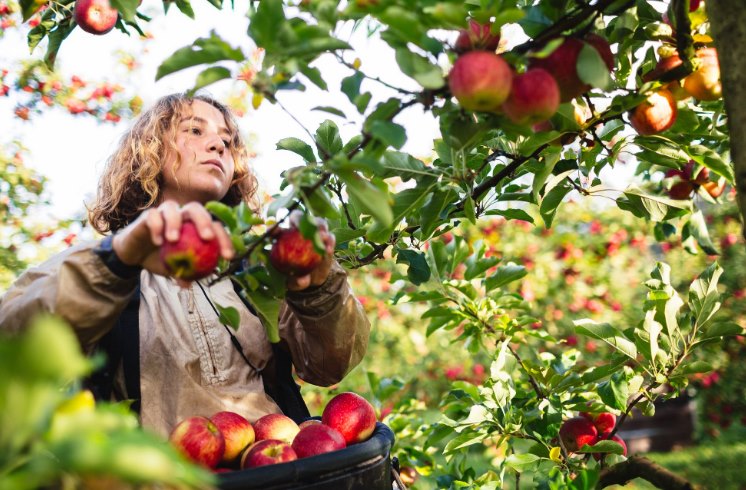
x: 228, y: 440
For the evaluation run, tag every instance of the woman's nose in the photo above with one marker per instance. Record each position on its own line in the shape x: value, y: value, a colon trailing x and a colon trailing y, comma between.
x: 216, y: 144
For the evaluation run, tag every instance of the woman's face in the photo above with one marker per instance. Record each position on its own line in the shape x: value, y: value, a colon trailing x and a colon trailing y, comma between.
x: 202, y: 168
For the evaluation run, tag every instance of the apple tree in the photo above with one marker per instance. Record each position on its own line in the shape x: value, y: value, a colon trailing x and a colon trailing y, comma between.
x: 537, y: 102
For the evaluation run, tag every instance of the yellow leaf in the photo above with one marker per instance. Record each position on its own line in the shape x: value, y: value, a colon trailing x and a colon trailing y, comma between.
x: 256, y: 100
x: 555, y: 453
x: 356, y: 64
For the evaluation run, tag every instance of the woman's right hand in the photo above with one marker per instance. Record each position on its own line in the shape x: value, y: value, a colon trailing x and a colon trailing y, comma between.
x: 140, y: 241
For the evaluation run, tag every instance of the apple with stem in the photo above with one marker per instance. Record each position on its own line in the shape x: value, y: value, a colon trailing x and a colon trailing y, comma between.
x: 275, y: 426
x: 480, y: 81
x: 199, y: 440
x: 237, y: 432
x: 95, y: 16
x: 190, y: 257
x: 267, y: 452
x: 292, y: 253
x: 577, y: 432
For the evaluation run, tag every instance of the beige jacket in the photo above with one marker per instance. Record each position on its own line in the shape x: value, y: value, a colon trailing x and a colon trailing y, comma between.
x: 188, y: 365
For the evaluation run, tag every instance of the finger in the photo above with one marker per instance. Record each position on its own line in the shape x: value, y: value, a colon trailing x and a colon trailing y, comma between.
x: 171, y: 215
x: 154, y: 222
x: 299, y: 283
x: 201, y: 218
x: 330, y: 241
x: 226, y: 245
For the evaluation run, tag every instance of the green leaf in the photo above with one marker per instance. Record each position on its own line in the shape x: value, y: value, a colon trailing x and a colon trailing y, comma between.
x: 204, y: 50
x: 431, y: 215
x: 615, y: 392
x: 704, y: 298
x: 351, y: 85
x: 551, y: 201
x: 505, y: 274
x: 210, y: 76
x: 698, y: 229
x: 721, y: 329
x: 298, y: 146
x: 607, y: 333
x: 328, y: 140
x: 470, y: 210
x: 224, y: 213
x: 404, y: 166
x: 30, y: 7
x: 592, y: 69
x: 427, y: 74
x: 266, y: 23
x: 522, y: 462
x: 314, y: 74
x: 605, y: 446
x: 185, y: 6
x: 55, y: 41
x: 344, y: 235
x: 694, y: 367
x: 518, y: 214
x: 712, y: 160
x: 656, y: 208
x: 390, y: 133
x: 418, y: 271
x: 371, y: 199
x: 229, y: 316
x: 268, y: 309
x: 127, y: 8
x: 329, y: 110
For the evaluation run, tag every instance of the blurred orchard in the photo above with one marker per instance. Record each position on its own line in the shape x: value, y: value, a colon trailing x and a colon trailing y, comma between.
x: 571, y: 246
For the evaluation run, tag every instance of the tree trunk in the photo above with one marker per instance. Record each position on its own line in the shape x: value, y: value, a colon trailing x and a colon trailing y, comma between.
x: 728, y: 21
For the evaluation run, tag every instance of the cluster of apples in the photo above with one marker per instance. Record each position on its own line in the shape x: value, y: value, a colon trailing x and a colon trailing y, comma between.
x: 690, y: 178
x: 192, y: 258
x: 481, y: 80
x: 589, y: 428
x: 228, y: 440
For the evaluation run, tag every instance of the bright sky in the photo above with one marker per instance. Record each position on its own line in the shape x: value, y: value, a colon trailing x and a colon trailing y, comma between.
x: 71, y: 151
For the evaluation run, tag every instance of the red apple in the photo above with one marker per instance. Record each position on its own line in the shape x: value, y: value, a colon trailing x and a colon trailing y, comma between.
x: 562, y: 64
x: 694, y: 5
x: 308, y: 422
x: 293, y: 254
x: 655, y: 114
x: 275, y: 426
x: 681, y: 190
x: 478, y: 36
x: 199, y: 440
x: 704, y: 83
x: 534, y: 97
x: 95, y: 16
x: 603, y: 421
x: 190, y: 257
x: 266, y: 452
x: 237, y: 432
x: 480, y: 80
x: 714, y: 188
x: 317, y: 439
x: 352, y: 415
x: 577, y: 432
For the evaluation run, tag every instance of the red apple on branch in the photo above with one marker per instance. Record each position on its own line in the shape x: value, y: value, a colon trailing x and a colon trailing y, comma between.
x: 190, y: 257
x: 267, y: 452
x: 480, y: 80
x: 704, y: 82
x: 604, y: 421
x: 199, y: 440
x: 477, y: 36
x: 293, y: 254
x: 655, y: 114
x: 317, y: 439
x: 95, y: 16
x: 237, y: 432
x: 577, y: 432
x: 352, y: 415
x: 275, y: 426
x: 534, y: 97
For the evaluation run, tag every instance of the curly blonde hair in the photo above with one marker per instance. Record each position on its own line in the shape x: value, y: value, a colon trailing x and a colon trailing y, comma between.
x: 132, y: 179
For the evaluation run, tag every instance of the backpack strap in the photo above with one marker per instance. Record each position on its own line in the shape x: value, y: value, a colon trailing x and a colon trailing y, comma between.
x: 121, y: 345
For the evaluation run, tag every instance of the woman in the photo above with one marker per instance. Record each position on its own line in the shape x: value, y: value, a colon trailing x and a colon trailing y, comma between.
x: 180, y: 154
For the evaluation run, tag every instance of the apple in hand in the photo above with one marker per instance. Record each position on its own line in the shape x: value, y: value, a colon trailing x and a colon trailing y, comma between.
x: 317, y: 439
x: 480, y: 80
x: 199, y: 440
x: 190, y: 257
x: 237, y: 432
x: 95, y: 16
x: 577, y: 432
x: 275, y: 426
x: 293, y: 254
x: 534, y: 97
x: 352, y: 415
x: 266, y: 452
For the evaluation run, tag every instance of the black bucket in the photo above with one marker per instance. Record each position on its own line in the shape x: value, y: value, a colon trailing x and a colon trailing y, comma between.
x: 362, y: 466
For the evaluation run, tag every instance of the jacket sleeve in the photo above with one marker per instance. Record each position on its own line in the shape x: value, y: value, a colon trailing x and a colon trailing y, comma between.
x: 326, y: 329
x: 76, y: 285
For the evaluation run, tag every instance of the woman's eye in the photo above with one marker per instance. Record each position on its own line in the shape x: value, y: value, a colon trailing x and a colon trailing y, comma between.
x: 227, y: 143
x: 195, y: 131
